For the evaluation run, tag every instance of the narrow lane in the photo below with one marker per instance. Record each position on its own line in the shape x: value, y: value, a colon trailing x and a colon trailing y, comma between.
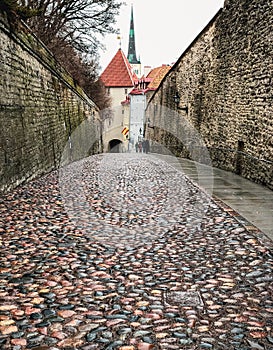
x: 122, y: 251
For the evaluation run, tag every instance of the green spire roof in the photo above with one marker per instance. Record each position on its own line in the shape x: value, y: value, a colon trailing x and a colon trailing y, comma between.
x: 132, y: 57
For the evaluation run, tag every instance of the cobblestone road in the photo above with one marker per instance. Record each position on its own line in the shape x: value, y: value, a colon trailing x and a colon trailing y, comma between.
x: 122, y: 251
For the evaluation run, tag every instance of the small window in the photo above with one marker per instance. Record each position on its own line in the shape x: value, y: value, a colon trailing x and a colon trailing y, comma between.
x: 126, y: 91
x: 241, y: 146
x: 155, y: 109
x: 240, y: 157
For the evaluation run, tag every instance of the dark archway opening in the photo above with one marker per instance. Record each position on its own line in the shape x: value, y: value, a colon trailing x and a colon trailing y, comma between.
x: 115, y: 146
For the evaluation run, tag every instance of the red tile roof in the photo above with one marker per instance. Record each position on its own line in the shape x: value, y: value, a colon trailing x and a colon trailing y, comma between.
x: 156, y: 75
x: 126, y: 101
x: 119, y: 72
x: 152, y: 81
x: 137, y: 91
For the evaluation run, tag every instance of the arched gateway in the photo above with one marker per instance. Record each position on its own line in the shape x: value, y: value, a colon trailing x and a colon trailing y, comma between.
x: 115, y: 146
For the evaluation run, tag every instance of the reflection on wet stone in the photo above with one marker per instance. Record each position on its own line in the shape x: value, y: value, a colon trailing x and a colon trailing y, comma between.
x: 143, y: 267
x: 115, y: 204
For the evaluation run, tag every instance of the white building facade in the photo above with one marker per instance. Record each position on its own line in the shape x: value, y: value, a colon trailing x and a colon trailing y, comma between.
x: 137, y: 117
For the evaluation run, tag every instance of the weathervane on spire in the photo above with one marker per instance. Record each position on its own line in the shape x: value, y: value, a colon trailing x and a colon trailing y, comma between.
x: 119, y: 37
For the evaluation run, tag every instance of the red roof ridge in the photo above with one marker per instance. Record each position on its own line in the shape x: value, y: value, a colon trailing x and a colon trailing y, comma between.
x: 157, y: 74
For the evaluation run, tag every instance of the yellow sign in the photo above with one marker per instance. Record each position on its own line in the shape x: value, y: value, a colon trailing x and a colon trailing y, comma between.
x: 125, y: 131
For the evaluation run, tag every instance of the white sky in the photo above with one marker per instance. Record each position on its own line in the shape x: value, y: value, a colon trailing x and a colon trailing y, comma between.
x: 163, y: 29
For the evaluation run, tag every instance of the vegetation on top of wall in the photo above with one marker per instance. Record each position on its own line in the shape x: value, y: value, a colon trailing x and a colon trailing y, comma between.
x: 41, y: 106
x: 71, y: 31
x: 16, y: 11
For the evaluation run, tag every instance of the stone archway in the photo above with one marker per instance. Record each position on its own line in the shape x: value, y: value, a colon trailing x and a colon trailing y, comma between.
x: 115, y: 146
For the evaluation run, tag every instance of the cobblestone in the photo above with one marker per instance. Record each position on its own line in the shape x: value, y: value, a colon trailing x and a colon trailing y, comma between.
x: 89, y: 253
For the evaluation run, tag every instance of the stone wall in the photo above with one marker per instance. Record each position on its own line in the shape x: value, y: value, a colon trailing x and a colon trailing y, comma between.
x: 225, y: 80
x: 40, y: 107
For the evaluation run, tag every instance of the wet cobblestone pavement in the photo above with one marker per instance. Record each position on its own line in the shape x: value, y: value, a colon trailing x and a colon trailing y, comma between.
x: 124, y: 252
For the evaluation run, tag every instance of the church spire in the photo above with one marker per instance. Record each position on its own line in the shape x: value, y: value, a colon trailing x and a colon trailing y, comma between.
x: 132, y: 58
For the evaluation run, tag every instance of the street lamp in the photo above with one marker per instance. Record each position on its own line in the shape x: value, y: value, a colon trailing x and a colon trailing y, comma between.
x: 176, y: 98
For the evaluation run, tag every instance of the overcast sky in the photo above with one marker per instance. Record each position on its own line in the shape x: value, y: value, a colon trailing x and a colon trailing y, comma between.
x: 163, y: 29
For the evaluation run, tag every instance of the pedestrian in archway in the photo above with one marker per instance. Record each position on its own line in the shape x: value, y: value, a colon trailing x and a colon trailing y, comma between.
x: 147, y: 146
x: 136, y: 146
x: 144, y: 146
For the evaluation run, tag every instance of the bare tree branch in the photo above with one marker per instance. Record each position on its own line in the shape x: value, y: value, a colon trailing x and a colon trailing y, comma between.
x: 91, y: 19
x: 72, y: 30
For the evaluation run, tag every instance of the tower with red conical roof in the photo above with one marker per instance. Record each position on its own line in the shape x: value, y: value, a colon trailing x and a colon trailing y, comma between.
x: 119, y: 79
